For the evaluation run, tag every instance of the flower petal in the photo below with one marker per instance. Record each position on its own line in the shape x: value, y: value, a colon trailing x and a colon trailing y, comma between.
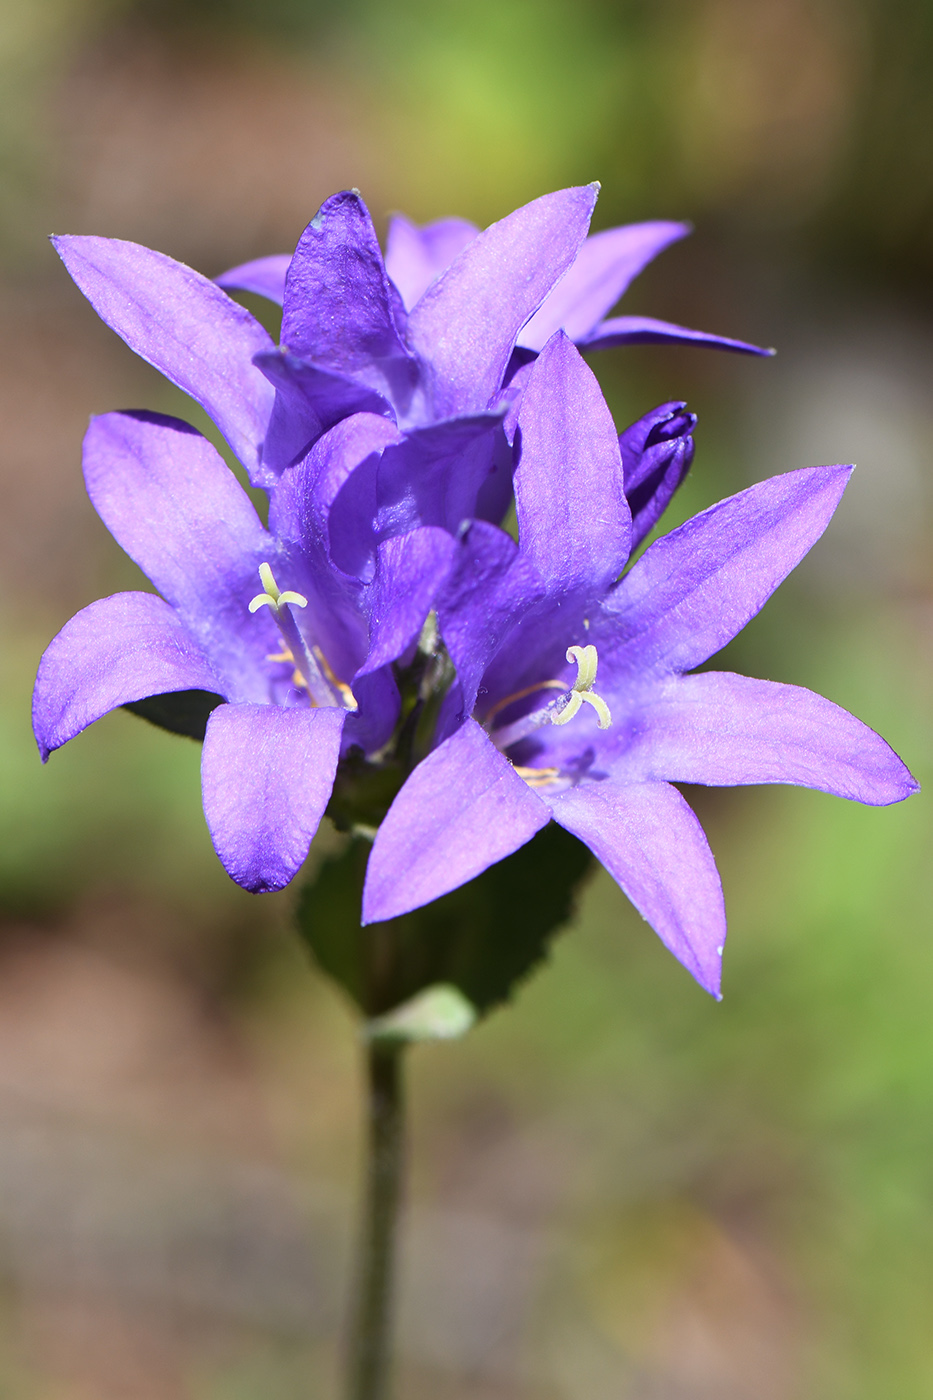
x: 299, y: 517
x: 266, y: 777
x: 302, y: 509
x: 185, y: 326
x: 410, y: 570
x: 371, y: 726
x: 604, y: 268
x: 722, y: 729
x: 464, y: 327
x: 647, y: 330
x: 433, y: 476
x: 649, y: 840
x: 694, y: 589
x: 339, y: 309
x: 573, y: 519
x: 120, y: 649
x: 174, y: 505
x: 308, y: 402
x: 301, y: 506
x: 264, y: 276
x: 462, y: 809
x: 415, y: 256
x: 491, y: 587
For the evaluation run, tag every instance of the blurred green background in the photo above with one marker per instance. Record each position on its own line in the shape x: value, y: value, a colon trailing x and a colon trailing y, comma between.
x: 620, y: 1190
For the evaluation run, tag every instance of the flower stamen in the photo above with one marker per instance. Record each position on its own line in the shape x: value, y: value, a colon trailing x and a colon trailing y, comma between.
x: 285, y: 654
x: 346, y: 694
x: 536, y: 777
x: 522, y: 695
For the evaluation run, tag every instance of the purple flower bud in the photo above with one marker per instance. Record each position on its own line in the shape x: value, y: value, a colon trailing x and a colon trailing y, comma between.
x: 656, y: 455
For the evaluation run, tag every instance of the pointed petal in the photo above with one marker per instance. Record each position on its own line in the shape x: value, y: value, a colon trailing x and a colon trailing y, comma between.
x: 264, y: 276
x: 462, y: 809
x: 573, y: 519
x: 415, y: 256
x: 338, y: 300
x: 464, y: 327
x: 604, y: 268
x: 656, y: 455
x: 724, y: 730
x: 694, y: 589
x: 495, y: 497
x: 308, y: 402
x: 490, y: 589
x: 646, y: 330
x: 174, y: 505
x: 266, y: 777
x: 120, y: 649
x: 185, y: 326
x: 652, y: 844
x: 410, y: 570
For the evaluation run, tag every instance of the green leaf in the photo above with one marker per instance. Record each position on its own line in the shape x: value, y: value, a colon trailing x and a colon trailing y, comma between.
x: 179, y: 711
x: 482, y: 939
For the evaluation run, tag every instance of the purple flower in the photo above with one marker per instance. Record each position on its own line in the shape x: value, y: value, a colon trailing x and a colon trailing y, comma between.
x: 292, y: 654
x: 435, y: 339
x: 576, y: 696
x: 602, y: 271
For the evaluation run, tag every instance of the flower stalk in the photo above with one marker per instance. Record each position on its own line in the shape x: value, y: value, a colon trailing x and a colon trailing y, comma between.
x: 370, y: 1354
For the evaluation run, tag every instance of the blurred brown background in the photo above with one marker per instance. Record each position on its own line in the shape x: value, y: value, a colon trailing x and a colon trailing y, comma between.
x: 620, y: 1190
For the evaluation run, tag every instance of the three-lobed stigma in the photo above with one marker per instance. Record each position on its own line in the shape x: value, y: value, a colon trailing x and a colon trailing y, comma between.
x: 312, y: 672
x: 273, y: 597
x: 560, y: 710
x: 587, y: 662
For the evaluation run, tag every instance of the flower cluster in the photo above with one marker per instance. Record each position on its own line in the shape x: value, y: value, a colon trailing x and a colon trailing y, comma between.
x: 382, y: 648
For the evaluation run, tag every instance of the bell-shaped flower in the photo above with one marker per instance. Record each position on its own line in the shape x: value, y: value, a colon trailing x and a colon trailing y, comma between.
x: 603, y: 269
x: 577, y: 697
x: 288, y: 657
x: 435, y: 338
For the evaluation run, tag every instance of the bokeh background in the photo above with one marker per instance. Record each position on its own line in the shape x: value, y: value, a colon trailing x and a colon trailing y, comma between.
x: 620, y: 1190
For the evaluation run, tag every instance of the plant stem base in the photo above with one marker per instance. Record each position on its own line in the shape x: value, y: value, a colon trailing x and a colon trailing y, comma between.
x: 370, y: 1337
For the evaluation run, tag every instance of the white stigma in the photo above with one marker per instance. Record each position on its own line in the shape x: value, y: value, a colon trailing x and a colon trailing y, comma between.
x: 273, y: 597
x: 559, y: 711
x: 308, y: 670
x: 587, y: 662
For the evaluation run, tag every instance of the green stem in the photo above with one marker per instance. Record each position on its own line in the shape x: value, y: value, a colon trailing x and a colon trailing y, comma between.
x: 370, y: 1337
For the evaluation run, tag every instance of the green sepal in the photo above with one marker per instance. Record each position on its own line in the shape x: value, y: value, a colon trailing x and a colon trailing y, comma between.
x: 179, y: 711
x: 483, y: 938
x: 363, y: 792
x: 437, y: 1013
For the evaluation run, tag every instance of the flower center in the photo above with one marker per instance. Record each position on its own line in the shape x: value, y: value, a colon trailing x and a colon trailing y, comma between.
x: 311, y: 669
x: 561, y: 709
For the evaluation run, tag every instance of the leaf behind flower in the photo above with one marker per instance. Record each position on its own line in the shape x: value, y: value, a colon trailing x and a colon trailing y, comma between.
x: 484, y: 938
